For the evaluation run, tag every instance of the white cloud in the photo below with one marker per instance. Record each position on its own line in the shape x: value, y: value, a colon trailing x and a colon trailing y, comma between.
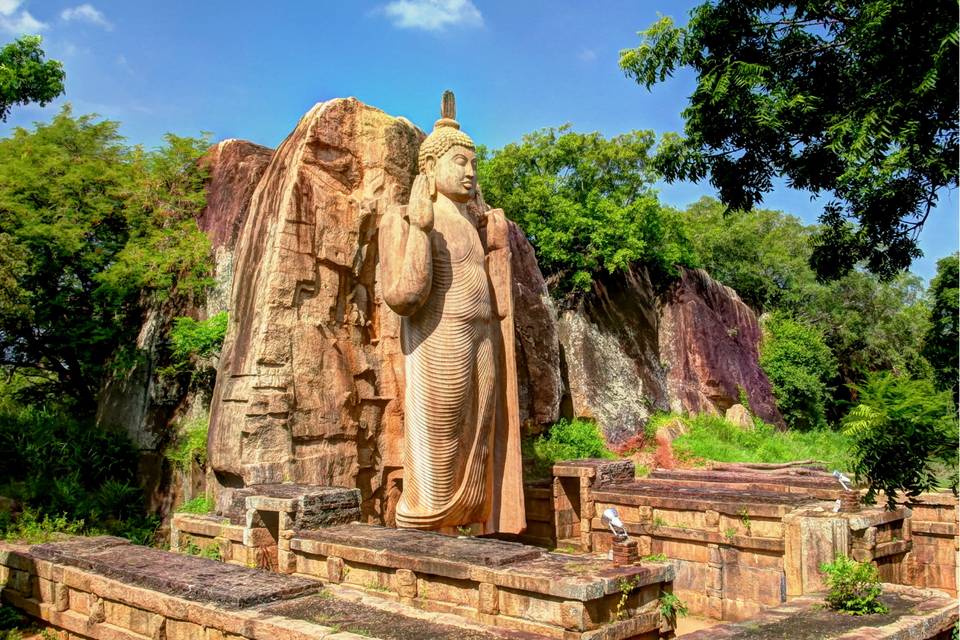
x: 432, y: 15
x: 84, y: 13
x: 587, y: 55
x: 7, y: 7
x: 16, y: 21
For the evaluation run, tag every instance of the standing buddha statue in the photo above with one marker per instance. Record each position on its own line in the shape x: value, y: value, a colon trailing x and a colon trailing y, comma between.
x: 445, y: 268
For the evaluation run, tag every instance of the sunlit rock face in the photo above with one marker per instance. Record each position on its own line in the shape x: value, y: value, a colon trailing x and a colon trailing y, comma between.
x: 709, y: 342
x: 309, y: 386
x: 611, y: 355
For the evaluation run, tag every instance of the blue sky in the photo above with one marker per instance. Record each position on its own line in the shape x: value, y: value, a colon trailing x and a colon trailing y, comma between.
x: 250, y: 70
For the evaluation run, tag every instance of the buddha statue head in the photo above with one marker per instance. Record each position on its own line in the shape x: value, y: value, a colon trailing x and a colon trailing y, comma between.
x: 448, y: 156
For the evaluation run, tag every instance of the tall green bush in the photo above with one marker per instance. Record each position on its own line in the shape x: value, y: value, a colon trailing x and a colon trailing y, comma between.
x: 586, y: 203
x: 566, y: 440
x: 941, y: 345
x: 901, y: 430
x: 799, y: 365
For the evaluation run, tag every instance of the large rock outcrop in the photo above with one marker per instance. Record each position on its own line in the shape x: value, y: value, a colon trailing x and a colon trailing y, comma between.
x: 310, y: 384
x: 309, y: 387
x: 611, y: 355
x: 630, y: 350
x: 539, y: 380
x: 709, y: 342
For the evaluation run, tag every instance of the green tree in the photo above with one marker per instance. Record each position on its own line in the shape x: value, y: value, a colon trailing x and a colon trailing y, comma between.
x: 940, y: 345
x: 900, y: 431
x: 26, y: 77
x: 800, y: 366
x: 857, y: 101
x: 762, y: 254
x: 869, y: 325
x: 586, y: 203
x: 89, y: 231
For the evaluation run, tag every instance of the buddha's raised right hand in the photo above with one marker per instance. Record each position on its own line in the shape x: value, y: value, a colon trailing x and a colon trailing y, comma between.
x: 420, y: 209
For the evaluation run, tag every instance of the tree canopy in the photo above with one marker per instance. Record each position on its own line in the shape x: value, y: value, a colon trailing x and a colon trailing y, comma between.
x: 855, y: 101
x: 586, y: 203
x: 26, y: 77
x: 941, y: 343
x: 89, y: 230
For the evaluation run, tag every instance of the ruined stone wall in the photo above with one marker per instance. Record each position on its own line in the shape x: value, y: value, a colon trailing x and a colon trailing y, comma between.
x: 933, y: 560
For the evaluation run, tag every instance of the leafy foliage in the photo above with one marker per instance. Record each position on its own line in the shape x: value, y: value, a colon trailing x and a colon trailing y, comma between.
x: 762, y: 254
x: 941, y: 345
x: 90, y: 230
x: 190, y: 446
x: 672, y: 607
x: 586, y: 204
x: 30, y: 528
x: 799, y: 365
x: 68, y: 471
x: 26, y: 77
x: 854, y: 587
x: 710, y: 437
x: 567, y: 440
x: 900, y: 429
x: 193, y: 343
x: 857, y: 101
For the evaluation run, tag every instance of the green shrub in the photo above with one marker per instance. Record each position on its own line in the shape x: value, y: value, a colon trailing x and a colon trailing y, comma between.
x: 854, y: 587
x: 73, y: 476
x: 190, y: 445
x: 587, y: 204
x: 200, y: 504
x: 671, y: 607
x: 900, y: 430
x: 191, y: 341
x: 10, y: 617
x: 710, y: 437
x: 192, y: 338
x: 31, y: 528
x: 567, y: 440
x: 799, y: 365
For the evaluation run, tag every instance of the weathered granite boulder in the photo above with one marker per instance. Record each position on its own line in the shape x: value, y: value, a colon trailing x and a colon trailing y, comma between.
x: 235, y: 168
x: 539, y: 381
x: 630, y: 350
x: 709, y: 343
x: 611, y: 355
x: 309, y: 387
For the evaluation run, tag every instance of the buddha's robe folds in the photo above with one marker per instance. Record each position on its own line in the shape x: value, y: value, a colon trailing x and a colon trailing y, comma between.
x: 457, y: 469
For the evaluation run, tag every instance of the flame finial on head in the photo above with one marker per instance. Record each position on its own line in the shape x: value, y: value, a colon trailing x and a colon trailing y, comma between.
x: 446, y: 132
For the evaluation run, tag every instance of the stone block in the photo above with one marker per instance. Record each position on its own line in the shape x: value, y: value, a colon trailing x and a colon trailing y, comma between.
x: 573, y: 616
x: 182, y: 630
x: 405, y: 582
x: 489, y: 599
x: 335, y: 570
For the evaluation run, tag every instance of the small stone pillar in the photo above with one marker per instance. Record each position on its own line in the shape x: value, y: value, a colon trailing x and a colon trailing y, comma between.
x: 850, y: 502
x: 625, y: 553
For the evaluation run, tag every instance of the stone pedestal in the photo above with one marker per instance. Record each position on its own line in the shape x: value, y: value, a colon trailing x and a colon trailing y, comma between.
x: 850, y: 501
x: 625, y: 553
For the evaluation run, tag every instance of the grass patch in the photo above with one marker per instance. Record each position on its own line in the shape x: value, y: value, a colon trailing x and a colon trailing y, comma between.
x: 711, y: 438
x: 567, y: 440
x: 200, y: 504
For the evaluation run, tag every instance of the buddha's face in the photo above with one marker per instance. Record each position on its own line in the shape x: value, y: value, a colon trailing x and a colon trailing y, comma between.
x: 455, y: 173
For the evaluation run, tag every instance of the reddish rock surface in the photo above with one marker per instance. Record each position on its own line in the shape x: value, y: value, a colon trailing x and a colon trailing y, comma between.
x: 611, y: 355
x: 537, y: 344
x: 235, y: 167
x: 709, y: 342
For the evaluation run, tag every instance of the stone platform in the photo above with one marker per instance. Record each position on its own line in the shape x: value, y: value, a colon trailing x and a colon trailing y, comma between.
x: 108, y: 589
x: 742, y: 538
x: 501, y: 584
x: 914, y: 614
